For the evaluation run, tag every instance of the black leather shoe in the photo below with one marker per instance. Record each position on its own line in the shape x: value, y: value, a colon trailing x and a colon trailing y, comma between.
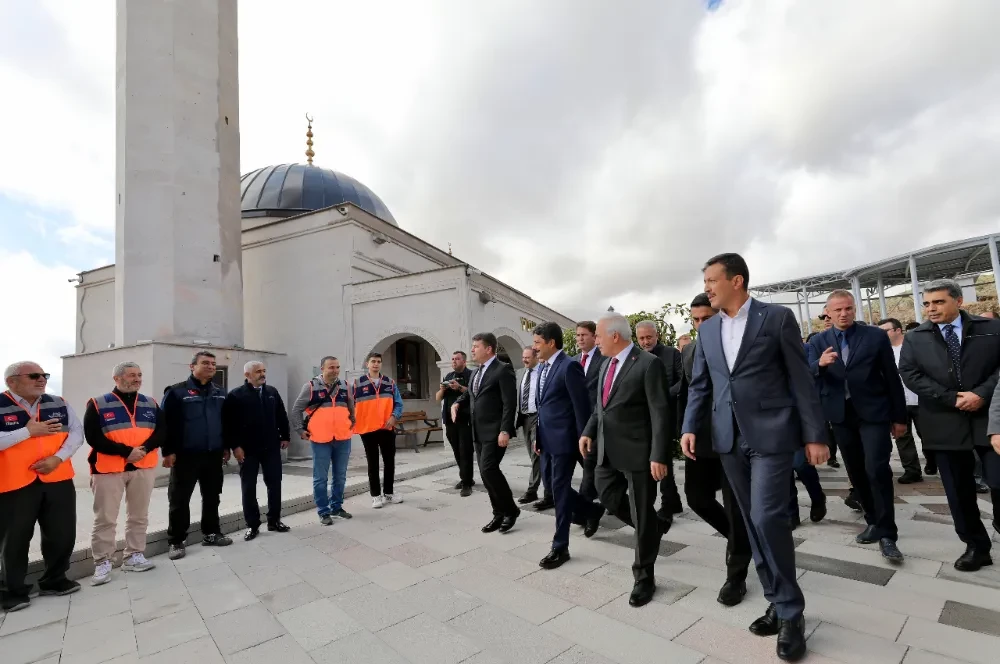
x: 554, y: 559
x: 930, y: 468
x: 851, y: 500
x: 768, y: 624
x: 910, y: 478
x: 981, y: 487
x: 867, y: 536
x: 508, y: 523
x: 818, y: 511
x: 890, y: 551
x: 528, y: 497
x: 833, y: 463
x: 545, y: 503
x: 973, y: 561
x: 732, y: 593
x: 465, y: 492
x: 251, y: 533
x: 642, y: 593
x: 792, y: 640
x: 493, y: 525
x: 591, y: 525
x: 459, y: 484
x: 277, y: 527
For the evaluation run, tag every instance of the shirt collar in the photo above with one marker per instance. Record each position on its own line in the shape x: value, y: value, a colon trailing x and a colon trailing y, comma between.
x: 24, y: 402
x: 555, y: 356
x: 488, y: 362
x: 624, y: 354
x: 742, y: 313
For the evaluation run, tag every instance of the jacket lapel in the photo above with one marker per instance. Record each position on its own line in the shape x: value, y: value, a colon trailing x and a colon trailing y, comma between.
x: 630, y: 361
x: 755, y: 320
x: 484, y: 381
x: 856, y: 343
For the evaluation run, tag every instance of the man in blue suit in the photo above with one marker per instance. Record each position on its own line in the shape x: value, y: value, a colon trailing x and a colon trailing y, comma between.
x: 750, y: 372
x: 563, y: 410
x: 862, y: 394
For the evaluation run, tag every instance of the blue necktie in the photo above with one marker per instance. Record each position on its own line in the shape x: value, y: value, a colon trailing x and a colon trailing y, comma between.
x: 954, y: 351
x: 541, y: 377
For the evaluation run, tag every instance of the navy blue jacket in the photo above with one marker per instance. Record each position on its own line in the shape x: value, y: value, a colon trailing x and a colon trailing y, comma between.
x: 193, y: 413
x: 870, y: 374
x: 563, y: 408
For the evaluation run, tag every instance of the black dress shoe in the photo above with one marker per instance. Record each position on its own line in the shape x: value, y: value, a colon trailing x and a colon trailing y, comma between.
x: 664, y: 524
x: 544, y: 504
x: 591, y: 525
x: 768, y: 624
x: 890, y: 551
x: 554, y: 559
x: 459, y: 485
x: 910, y: 478
x: 465, y: 492
x: 833, y: 463
x: 493, y: 524
x: 277, y: 527
x: 981, y: 487
x: 867, y: 536
x: 930, y: 468
x: 508, y: 523
x: 973, y: 561
x: 792, y: 640
x: 818, y: 511
x: 732, y: 593
x: 59, y: 588
x: 528, y: 497
x: 642, y: 593
x: 251, y: 533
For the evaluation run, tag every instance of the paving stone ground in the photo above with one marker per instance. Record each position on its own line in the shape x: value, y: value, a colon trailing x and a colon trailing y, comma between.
x: 418, y: 583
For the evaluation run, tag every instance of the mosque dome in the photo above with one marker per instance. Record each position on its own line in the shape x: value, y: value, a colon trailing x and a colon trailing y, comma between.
x: 290, y: 189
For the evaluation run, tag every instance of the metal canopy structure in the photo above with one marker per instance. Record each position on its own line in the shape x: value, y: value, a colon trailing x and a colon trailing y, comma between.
x: 950, y: 260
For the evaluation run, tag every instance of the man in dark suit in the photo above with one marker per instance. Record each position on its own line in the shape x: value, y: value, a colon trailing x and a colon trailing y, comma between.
x: 458, y: 430
x: 527, y: 421
x: 255, y: 428
x: 951, y: 362
x: 563, y: 411
x: 590, y: 359
x: 862, y: 397
x: 750, y: 373
x: 493, y: 409
x: 630, y: 427
x: 649, y: 341
x: 704, y: 476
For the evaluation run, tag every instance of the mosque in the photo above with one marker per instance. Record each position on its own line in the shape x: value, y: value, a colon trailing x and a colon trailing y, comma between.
x: 327, y: 270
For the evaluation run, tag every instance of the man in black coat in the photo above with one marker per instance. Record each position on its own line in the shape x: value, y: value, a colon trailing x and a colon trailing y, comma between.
x: 255, y: 427
x: 492, y: 403
x: 649, y: 341
x: 458, y: 430
x: 951, y: 362
x: 590, y: 358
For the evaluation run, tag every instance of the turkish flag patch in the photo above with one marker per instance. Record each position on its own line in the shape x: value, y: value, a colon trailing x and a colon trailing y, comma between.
x: 193, y: 392
x: 109, y: 416
x: 322, y: 395
x: 10, y: 419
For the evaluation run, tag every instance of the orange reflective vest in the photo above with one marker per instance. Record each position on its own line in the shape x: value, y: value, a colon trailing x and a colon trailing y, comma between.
x: 16, y: 461
x: 121, y: 426
x: 328, y: 416
x: 372, y: 403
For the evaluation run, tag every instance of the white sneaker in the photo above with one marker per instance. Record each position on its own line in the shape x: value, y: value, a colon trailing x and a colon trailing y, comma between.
x: 377, y: 502
x: 393, y: 498
x: 137, y: 563
x: 102, y: 574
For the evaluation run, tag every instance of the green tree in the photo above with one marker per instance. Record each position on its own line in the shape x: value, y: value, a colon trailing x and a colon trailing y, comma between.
x: 664, y: 328
x: 569, y: 341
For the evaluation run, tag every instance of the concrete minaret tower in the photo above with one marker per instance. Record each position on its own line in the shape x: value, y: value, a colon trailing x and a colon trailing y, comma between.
x: 178, y: 267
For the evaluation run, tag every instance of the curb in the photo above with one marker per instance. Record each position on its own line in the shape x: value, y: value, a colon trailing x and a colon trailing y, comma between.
x: 81, y: 562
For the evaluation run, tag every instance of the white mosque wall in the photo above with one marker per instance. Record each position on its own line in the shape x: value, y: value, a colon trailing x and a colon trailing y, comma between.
x: 95, y: 310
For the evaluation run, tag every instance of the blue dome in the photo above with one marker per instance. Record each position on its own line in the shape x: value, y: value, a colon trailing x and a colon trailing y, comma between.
x: 289, y: 189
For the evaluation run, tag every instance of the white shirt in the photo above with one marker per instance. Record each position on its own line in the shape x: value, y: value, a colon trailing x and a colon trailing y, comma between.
x: 482, y: 372
x: 621, y: 357
x: 732, y: 332
x: 911, y: 398
x: 535, y: 372
x: 590, y: 358
x: 9, y: 439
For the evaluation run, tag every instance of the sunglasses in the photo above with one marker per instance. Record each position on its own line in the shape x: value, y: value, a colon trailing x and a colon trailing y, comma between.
x: 35, y: 376
x: 822, y: 317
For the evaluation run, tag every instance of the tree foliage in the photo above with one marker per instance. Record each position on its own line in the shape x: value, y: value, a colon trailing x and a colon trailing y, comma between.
x: 665, y: 329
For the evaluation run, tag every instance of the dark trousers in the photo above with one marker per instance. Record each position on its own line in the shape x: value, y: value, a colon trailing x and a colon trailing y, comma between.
x: 588, y: 485
x: 270, y: 463
x: 907, y: 446
x: 670, y: 499
x: 460, y: 438
x: 810, y: 480
x: 501, y: 499
x: 831, y: 441
x: 957, y: 470
x: 866, y: 448
x: 760, y: 485
x: 203, y: 469
x: 703, y: 477
x: 53, y: 507
x: 570, y: 506
x: 530, y: 431
x: 631, y: 497
x: 381, y: 442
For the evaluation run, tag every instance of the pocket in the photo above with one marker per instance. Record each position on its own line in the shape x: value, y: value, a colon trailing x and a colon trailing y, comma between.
x: 784, y: 402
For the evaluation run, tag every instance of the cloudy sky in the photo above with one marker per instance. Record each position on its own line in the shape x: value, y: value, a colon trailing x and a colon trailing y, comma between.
x: 623, y: 142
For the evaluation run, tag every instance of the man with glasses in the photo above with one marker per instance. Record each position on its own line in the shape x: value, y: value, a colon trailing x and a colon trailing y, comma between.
x: 39, y: 433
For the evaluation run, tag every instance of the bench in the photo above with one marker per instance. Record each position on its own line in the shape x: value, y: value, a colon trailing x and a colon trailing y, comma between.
x: 418, y: 417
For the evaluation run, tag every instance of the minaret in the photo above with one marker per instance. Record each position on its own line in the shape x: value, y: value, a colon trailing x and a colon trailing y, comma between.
x: 178, y: 264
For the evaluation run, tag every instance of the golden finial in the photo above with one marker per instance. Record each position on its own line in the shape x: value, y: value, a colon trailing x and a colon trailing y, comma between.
x: 309, y: 141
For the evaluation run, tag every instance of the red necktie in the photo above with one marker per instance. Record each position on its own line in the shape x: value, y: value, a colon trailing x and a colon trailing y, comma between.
x: 608, y: 381
x: 583, y: 361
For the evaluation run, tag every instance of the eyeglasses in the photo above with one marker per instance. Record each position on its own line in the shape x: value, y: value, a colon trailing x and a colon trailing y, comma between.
x: 822, y: 317
x: 35, y: 376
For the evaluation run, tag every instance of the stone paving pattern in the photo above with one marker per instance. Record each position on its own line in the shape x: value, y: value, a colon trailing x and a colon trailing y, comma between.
x: 418, y: 583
